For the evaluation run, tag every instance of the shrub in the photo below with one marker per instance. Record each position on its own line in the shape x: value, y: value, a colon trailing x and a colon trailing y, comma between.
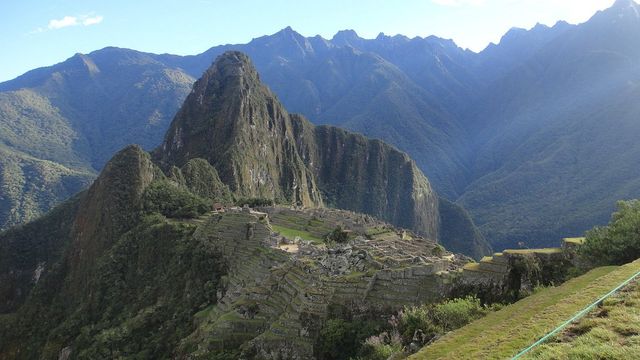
x: 172, y: 201
x: 338, y: 235
x: 438, y: 250
x: 342, y: 339
x: 456, y: 313
x: 428, y: 321
x: 618, y: 242
x: 381, y: 347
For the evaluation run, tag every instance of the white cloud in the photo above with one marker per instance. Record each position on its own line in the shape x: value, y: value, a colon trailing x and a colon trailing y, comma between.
x: 84, y: 20
x: 92, y: 20
x: 62, y: 23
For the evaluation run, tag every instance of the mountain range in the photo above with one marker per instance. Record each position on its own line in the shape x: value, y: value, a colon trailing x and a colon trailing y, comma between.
x: 534, y: 136
x: 138, y: 265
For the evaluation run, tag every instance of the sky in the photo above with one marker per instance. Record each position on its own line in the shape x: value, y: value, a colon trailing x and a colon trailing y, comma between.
x: 39, y: 33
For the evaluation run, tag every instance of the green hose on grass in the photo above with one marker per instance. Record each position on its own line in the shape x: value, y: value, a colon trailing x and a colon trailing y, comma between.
x: 580, y: 314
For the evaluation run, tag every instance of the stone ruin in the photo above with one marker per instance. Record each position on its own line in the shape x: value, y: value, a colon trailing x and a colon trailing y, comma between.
x: 274, y: 302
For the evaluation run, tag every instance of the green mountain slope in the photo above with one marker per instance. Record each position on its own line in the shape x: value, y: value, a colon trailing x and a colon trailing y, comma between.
x: 555, y: 156
x: 73, y: 117
x: 30, y: 186
x: 504, y: 333
x: 459, y: 233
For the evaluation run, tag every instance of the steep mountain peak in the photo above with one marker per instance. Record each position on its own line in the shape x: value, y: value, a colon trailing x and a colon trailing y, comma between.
x: 84, y: 61
x: 512, y: 34
x: 214, y: 109
x: 287, y: 31
x: 539, y: 27
x: 231, y: 65
x: 628, y: 9
x: 237, y: 124
x: 286, y: 42
x: 561, y: 24
x: 622, y: 4
x: 442, y: 42
x: 346, y: 37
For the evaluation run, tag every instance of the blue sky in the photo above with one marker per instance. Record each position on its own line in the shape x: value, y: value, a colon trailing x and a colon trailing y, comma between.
x: 43, y: 32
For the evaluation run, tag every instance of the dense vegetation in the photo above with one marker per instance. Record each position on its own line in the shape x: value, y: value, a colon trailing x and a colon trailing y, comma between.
x: 25, y: 248
x: 152, y: 281
x: 173, y: 201
x: 29, y: 186
x: 618, y: 242
x: 405, y: 332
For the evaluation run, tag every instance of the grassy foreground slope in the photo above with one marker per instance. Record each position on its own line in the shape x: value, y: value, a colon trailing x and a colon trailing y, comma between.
x: 611, y: 331
x: 503, y: 334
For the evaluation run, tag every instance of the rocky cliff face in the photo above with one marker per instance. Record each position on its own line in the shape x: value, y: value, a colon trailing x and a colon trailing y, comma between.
x: 236, y: 123
x: 369, y: 176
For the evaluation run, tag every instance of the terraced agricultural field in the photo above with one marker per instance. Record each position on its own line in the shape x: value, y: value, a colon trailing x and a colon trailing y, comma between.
x: 292, y: 233
x: 502, y: 334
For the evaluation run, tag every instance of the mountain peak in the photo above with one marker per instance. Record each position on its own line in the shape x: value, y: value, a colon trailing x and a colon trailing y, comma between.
x: 232, y: 120
x: 345, y: 37
x: 621, y: 13
x: 84, y: 61
x: 289, y: 32
x: 232, y: 63
x: 622, y: 7
x: 230, y: 71
x: 623, y: 4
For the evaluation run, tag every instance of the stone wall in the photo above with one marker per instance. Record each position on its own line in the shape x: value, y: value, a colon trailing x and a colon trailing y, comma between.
x: 515, y: 270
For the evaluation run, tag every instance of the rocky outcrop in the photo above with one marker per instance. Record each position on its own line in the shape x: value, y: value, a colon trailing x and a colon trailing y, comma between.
x: 259, y: 150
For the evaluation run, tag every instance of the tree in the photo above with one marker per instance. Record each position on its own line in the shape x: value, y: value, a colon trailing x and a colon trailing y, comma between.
x: 619, y: 241
x: 339, y: 235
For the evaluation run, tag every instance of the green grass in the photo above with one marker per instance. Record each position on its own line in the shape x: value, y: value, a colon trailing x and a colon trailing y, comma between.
x: 611, y: 331
x: 378, y: 230
x: 504, y: 333
x: 292, y: 233
x: 472, y: 266
x: 574, y: 240
x: 534, y: 251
